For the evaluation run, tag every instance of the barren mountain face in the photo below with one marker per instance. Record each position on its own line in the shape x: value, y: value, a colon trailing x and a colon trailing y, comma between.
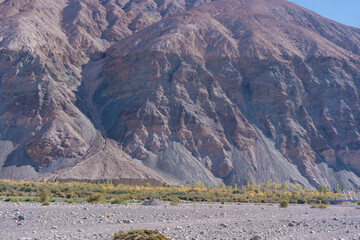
x: 230, y: 90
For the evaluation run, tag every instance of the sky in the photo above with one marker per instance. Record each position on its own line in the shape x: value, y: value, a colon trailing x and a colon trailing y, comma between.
x: 342, y: 11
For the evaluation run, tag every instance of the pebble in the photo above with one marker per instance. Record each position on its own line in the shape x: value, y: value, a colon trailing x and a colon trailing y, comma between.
x: 223, y: 225
x: 256, y: 237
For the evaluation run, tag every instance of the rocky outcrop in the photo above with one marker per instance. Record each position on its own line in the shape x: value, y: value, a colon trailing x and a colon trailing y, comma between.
x: 233, y: 90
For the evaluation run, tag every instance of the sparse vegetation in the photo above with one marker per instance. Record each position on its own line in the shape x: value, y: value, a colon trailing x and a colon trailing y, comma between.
x: 140, y: 235
x: 72, y: 192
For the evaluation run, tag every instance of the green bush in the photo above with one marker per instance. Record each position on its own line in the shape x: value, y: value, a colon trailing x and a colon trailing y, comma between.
x: 29, y: 199
x: 284, y: 203
x: 140, y: 235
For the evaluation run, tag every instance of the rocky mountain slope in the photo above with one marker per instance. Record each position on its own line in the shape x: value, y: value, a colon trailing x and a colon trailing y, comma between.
x: 230, y: 90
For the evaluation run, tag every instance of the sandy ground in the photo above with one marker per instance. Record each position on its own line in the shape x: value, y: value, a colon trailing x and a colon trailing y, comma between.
x: 184, y: 221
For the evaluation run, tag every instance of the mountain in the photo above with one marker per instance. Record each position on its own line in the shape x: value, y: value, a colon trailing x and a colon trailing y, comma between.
x: 178, y: 91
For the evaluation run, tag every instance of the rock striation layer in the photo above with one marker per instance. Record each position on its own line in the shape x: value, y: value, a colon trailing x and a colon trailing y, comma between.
x: 191, y: 90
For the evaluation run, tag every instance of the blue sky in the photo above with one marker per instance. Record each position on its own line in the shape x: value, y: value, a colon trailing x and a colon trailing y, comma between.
x: 342, y: 11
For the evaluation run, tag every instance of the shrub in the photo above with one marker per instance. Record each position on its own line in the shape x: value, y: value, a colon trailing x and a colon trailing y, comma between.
x: 44, y: 196
x: 70, y: 195
x: 118, y: 201
x: 322, y: 206
x: 140, y: 235
x: 94, y: 198
x: 10, y: 199
x: 175, y: 201
x: 284, y: 203
x: 302, y: 201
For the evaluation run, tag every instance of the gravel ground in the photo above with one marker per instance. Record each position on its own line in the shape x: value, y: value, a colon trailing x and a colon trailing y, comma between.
x: 184, y: 221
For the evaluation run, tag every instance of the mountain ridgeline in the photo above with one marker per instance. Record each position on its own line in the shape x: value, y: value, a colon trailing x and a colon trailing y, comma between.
x: 178, y: 91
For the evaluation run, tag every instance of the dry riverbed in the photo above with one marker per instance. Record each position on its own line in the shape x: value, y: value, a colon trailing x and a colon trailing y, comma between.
x: 183, y: 221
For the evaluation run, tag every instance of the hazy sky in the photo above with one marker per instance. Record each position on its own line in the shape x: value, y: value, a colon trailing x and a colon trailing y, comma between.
x: 342, y: 11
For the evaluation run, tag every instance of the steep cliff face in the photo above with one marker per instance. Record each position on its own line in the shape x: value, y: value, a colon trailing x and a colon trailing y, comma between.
x: 238, y: 90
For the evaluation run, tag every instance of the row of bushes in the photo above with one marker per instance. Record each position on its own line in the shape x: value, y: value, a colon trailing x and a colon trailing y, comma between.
x: 107, y: 192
